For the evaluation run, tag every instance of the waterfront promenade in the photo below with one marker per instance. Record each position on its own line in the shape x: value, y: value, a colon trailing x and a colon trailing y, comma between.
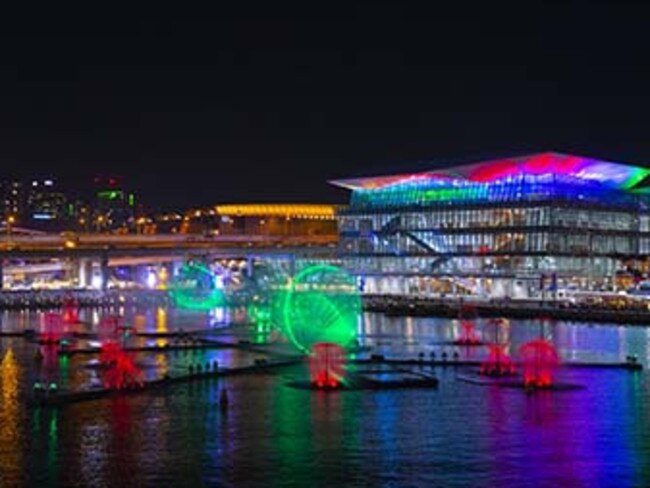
x: 49, y: 299
x: 455, y: 307
x: 399, y: 305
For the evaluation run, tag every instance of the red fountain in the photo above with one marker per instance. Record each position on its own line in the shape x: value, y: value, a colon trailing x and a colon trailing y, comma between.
x: 70, y: 311
x: 498, y: 362
x: 468, y: 335
x: 326, y: 365
x: 539, y: 361
x: 120, y: 369
x: 109, y: 353
x: 110, y: 327
x: 52, y: 328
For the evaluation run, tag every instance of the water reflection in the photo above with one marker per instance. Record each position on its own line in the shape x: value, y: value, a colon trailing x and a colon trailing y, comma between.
x: 53, y: 445
x: 10, y: 425
x: 334, y: 423
x: 125, y: 443
x: 275, y: 435
x: 407, y: 336
x: 90, y: 433
x: 161, y: 324
x: 49, y: 359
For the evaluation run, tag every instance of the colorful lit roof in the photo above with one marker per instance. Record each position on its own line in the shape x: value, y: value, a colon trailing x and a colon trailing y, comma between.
x: 294, y: 210
x: 615, y: 175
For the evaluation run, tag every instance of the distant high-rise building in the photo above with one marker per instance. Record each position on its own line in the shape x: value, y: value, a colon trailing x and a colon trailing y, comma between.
x: 12, y: 193
x: 46, y: 203
x: 114, y: 206
x: 82, y: 215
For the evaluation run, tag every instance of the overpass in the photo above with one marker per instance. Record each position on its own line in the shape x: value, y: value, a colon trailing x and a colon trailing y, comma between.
x: 114, y: 246
x: 84, y: 255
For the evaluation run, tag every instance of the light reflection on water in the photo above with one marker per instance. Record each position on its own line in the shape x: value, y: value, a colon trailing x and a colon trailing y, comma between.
x: 10, y: 421
x: 274, y: 435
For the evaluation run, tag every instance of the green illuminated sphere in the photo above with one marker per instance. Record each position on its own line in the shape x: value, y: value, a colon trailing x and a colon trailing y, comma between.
x: 319, y: 304
x: 194, y: 289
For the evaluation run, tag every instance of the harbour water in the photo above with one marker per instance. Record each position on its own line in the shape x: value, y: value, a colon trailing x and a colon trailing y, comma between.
x: 459, y: 434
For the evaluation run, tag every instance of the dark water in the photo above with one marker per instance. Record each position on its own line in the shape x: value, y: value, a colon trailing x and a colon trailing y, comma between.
x: 275, y: 435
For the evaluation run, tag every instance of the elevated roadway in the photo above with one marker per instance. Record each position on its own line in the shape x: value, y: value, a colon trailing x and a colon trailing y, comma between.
x: 159, y: 247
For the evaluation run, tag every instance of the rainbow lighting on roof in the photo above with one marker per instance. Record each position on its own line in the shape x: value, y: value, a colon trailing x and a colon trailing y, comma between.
x: 537, y: 176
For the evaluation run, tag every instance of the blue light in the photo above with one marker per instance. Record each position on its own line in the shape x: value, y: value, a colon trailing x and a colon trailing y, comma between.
x: 218, y: 282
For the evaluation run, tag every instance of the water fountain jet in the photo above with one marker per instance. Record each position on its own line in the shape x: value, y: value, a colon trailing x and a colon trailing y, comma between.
x: 326, y: 365
x: 539, y: 361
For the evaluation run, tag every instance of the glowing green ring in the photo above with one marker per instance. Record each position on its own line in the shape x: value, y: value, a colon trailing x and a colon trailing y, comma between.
x: 185, y: 298
x: 345, y: 325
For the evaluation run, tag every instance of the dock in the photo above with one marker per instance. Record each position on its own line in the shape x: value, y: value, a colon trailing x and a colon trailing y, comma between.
x: 402, y: 305
x: 26, y: 333
x: 509, y: 382
x: 163, y: 348
x: 64, y: 398
x: 452, y: 363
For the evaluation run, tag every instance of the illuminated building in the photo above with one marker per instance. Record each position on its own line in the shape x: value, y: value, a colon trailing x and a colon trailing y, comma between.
x: 13, y: 198
x: 47, y: 205
x: 167, y: 223
x: 517, y: 227
x: 81, y: 215
x: 275, y: 219
x: 114, y: 206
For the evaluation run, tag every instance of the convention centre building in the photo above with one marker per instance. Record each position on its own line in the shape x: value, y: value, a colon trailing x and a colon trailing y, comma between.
x: 519, y: 227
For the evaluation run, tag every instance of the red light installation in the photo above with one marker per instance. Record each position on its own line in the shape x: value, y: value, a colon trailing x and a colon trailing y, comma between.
x: 109, y: 327
x: 539, y: 360
x: 70, y: 311
x: 51, y: 328
x: 120, y: 370
x: 498, y: 362
x: 109, y: 352
x: 326, y: 365
x: 468, y: 335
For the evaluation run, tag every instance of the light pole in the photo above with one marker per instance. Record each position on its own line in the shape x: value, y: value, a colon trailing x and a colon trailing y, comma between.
x: 10, y: 221
x: 140, y: 224
x: 100, y: 221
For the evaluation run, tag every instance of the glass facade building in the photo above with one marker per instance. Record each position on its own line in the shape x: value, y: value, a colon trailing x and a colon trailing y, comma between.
x: 515, y: 227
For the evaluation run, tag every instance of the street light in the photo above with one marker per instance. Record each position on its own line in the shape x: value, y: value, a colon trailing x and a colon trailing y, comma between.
x: 100, y: 221
x: 10, y: 221
x: 140, y: 223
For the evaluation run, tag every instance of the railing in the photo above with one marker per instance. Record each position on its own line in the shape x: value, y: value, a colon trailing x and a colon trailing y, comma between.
x: 15, y: 242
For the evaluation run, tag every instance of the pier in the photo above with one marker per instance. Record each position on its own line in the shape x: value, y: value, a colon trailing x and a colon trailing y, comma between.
x: 452, y: 362
x: 64, y: 398
x: 400, y: 305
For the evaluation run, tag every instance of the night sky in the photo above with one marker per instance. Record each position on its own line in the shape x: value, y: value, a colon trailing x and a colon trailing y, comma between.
x: 260, y: 102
